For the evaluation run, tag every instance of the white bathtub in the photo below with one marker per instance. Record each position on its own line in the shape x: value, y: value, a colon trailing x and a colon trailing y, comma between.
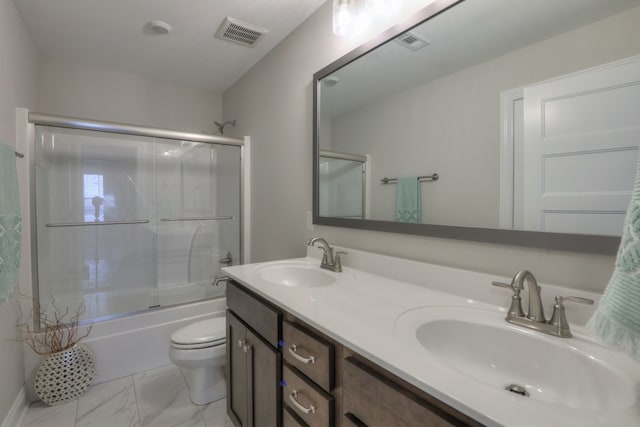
x: 134, y: 343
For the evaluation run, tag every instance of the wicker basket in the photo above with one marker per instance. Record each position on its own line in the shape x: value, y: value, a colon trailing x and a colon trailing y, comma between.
x: 65, y: 375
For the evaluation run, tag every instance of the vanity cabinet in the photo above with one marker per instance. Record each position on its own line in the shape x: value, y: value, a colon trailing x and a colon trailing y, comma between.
x: 283, y: 372
x: 374, y: 398
x: 321, y: 373
x: 309, y: 376
x: 310, y: 354
x: 254, y: 362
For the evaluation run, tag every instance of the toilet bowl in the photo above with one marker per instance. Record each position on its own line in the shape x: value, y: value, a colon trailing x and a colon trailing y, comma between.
x: 198, y: 349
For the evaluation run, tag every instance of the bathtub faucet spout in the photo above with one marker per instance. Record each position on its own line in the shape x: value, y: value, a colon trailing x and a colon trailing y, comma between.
x: 219, y: 279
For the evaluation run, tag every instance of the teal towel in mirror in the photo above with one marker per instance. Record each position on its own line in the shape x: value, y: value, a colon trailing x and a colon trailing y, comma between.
x: 617, y: 319
x: 10, y: 223
x: 408, y: 204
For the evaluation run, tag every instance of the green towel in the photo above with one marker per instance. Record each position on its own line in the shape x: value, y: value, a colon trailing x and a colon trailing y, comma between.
x: 617, y: 319
x: 408, y: 204
x: 10, y: 223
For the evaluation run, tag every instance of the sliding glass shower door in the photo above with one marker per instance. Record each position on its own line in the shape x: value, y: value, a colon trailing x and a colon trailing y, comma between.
x: 125, y: 223
x: 342, y: 185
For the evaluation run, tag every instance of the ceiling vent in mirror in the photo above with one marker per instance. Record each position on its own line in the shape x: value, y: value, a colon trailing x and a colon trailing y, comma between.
x: 412, y: 41
x: 237, y: 31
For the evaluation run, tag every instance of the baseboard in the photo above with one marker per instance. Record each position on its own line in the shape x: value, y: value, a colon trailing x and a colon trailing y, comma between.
x: 17, y: 411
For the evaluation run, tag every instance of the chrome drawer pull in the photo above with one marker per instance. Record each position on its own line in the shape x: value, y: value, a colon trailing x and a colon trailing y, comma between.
x: 309, y: 410
x: 293, y: 351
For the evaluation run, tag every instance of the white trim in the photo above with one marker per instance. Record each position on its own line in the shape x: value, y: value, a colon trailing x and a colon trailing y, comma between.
x: 507, y: 142
x: 18, y: 409
x: 246, y: 202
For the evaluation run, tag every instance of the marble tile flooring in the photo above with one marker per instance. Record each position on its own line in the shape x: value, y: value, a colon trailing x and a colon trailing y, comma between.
x: 155, y: 398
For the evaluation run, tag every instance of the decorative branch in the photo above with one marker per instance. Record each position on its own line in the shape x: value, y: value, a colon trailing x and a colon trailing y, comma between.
x: 58, y: 333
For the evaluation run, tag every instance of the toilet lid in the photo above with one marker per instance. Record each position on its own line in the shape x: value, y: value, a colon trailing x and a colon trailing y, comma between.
x: 204, y: 331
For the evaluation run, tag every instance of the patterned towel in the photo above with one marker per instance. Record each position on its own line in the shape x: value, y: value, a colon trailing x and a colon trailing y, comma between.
x: 10, y: 223
x: 408, y: 204
x: 617, y: 319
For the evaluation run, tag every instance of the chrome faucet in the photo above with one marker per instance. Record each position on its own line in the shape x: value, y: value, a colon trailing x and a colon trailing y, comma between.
x: 330, y: 260
x: 557, y: 325
x: 536, y: 313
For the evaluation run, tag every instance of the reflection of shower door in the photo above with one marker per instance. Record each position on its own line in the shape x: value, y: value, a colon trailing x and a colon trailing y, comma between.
x: 343, y: 189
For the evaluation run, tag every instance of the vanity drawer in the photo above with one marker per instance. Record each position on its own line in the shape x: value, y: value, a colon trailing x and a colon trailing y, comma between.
x: 310, y: 354
x: 300, y: 393
x: 371, y: 399
x: 290, y: 419
x: 261, y: 316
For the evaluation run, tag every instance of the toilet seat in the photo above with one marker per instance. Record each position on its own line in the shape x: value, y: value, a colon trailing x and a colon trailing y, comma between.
x: 202, y: 334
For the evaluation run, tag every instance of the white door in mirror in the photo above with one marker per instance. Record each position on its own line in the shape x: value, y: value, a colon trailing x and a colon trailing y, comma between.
x: 581, y: 135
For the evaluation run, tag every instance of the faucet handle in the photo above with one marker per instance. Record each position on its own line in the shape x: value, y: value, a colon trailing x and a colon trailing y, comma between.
x: 561, y: 300
x: 515, y: 310
x: 559, y: 318
x: 502, y: 284
x: 336, y: 260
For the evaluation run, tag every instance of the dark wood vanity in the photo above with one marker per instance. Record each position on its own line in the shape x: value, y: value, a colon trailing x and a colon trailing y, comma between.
x: 283, y: 372
x: 254, y: 360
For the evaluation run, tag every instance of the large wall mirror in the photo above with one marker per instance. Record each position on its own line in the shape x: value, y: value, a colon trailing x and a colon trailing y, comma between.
x: 506, y: 121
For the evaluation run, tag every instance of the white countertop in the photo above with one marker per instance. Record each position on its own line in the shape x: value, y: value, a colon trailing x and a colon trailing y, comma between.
x: 361, y: 309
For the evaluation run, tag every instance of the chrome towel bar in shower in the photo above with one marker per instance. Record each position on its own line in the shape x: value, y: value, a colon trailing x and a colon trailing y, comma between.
x: 426, y: 178
x: 205, y: 218
x: 82, y: 224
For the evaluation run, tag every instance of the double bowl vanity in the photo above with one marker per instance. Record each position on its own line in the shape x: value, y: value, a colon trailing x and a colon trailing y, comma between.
x: 427, y: 346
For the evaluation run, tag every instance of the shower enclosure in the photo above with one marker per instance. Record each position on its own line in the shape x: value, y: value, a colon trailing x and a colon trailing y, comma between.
x: 130, y: 218
x: 343, y: 185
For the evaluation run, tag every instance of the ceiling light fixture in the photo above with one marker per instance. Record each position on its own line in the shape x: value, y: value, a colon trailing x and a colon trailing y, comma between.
x: 159, y: 28
x: 343, y: 17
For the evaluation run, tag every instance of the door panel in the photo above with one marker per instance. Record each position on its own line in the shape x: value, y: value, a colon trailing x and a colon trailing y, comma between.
x: 236, y: 371
x: 580, y: 149
x: 264, y: 382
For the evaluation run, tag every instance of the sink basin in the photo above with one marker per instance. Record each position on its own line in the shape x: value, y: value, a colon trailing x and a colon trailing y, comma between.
x: 299, y: 275
x: 574, y: 373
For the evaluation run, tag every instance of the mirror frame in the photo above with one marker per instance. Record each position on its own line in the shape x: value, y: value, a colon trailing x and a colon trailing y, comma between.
x: 586, y: 243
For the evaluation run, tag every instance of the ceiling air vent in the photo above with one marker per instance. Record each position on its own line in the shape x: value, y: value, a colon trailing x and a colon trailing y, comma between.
x: 240, y: 32
x: 411, y: 41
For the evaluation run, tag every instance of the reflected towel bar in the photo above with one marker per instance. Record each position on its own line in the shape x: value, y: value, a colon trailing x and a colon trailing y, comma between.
x: 208, y: 218
x: 426, y: 178
x: 81, y: 224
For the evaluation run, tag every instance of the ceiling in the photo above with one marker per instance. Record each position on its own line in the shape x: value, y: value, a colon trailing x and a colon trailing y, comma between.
x: 111, y: 34
x: 469, y: 33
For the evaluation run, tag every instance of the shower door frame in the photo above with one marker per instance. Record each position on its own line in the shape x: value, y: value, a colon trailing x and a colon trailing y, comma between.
x: 34, y: 118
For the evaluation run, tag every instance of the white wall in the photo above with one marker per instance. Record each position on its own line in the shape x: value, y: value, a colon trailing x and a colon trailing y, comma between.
x: 69, y: 89
x: 273, y: 104
x: 18, y: 70
x: 452, y: 125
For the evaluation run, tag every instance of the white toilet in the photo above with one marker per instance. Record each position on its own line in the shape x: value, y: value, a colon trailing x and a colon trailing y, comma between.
x: 199, y: 351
